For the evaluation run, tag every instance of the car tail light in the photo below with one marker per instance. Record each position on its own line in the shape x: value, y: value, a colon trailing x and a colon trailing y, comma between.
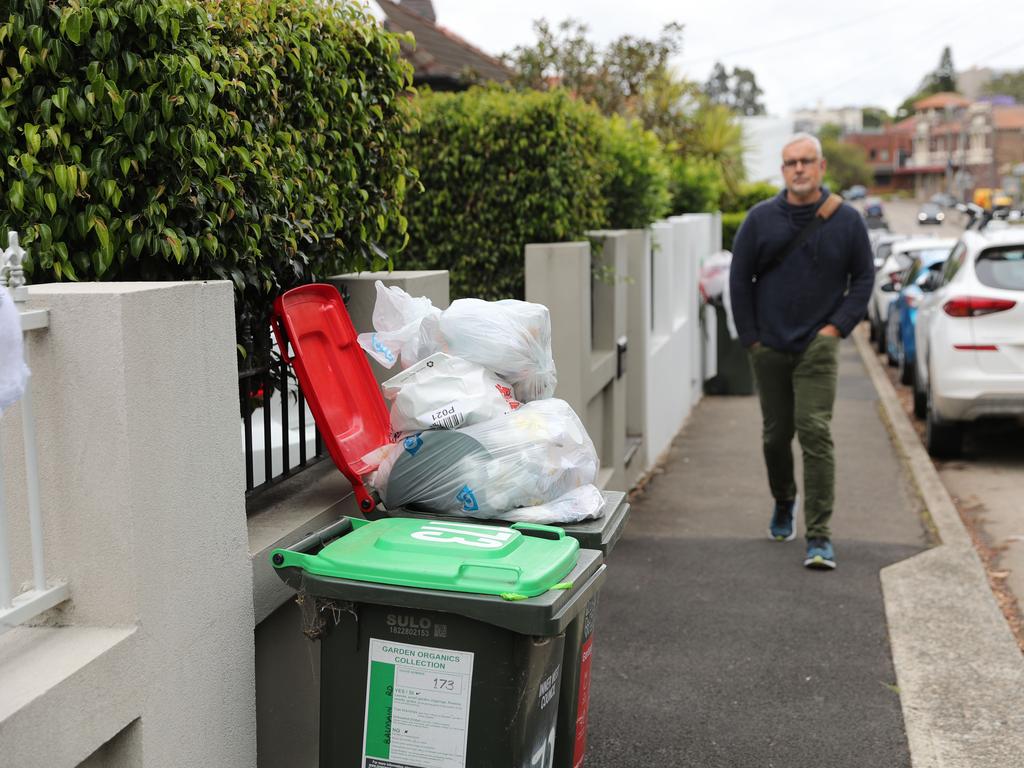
x: 976, y: 347
x: 973, y: 306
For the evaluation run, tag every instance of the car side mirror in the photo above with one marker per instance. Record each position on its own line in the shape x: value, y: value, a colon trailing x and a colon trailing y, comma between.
x: 890, y: 287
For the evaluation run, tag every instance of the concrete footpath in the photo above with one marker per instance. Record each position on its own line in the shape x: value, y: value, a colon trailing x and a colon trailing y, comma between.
x: 716, y: 648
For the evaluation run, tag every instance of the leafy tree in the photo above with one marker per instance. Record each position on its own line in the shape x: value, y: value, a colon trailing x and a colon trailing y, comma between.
x: 738, y: 91
x: 847, y: 164
x: 746, y: 93
x: 941, y: 80
x: 875, y: 117
x: 717, y: 88
x: 1007, y: 84
x: 614, y: 78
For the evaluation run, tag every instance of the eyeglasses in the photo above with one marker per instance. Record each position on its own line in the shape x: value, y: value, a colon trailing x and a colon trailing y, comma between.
x: 800, y: 161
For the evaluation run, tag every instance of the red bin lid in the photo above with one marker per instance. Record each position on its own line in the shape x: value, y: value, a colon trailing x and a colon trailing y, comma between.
x: 335, y: 377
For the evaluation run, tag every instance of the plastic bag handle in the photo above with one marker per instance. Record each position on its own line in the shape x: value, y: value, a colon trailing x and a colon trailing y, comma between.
x: 540, y: 531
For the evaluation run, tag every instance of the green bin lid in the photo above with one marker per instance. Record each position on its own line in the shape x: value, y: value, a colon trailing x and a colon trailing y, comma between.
x: 524, y: 559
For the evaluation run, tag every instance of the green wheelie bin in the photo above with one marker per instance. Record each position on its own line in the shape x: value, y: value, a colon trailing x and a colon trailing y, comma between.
x: 600, y: 534
x: 441, y: 641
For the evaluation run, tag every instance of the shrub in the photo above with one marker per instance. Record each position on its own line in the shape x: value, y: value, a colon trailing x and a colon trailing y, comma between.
x: 169, y: 139
x: 748, y: 195
x: 730, y: 226
x: 696, y: 185
x: 500, y: 170
x: 636, y: 184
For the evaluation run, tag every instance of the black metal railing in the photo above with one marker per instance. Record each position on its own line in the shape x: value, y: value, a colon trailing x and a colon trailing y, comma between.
x: 262, y: 375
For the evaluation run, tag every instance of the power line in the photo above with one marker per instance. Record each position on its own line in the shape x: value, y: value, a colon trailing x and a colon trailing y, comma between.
x: 1000, y: 52
x: 823, y: 89
x: 796, y: 38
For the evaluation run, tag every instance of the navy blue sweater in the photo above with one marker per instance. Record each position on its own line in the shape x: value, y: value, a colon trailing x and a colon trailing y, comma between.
x: 826, y: 280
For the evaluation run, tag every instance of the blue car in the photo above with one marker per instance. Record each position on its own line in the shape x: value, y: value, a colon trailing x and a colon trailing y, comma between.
x: 899, y: 326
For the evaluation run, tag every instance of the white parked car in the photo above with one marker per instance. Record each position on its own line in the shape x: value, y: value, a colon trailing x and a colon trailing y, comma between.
x: 887, y: 277
x: 970, y: 338
x: 881, y: 245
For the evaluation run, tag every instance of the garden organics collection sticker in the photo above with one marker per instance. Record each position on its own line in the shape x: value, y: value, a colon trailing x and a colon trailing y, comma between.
x: 417, y: 706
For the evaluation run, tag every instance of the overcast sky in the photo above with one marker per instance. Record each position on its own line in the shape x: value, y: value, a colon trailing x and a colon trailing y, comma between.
x: 801, y: 51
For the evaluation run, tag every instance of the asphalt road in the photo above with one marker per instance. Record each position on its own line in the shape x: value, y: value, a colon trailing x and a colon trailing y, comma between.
x: 986, y: 482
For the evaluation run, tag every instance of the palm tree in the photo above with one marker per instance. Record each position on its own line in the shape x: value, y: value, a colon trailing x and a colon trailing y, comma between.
x: 718, y: 137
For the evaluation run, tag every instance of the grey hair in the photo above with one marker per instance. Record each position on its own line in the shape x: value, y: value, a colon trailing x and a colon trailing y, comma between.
x: 804, y: 136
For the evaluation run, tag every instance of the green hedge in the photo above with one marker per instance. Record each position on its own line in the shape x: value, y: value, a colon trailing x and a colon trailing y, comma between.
x: 501, y: 169
x: 730, y: 226
x: 748, y: 195
x: 696, y: 185
x: 172, y: 139
x: 636, y: 184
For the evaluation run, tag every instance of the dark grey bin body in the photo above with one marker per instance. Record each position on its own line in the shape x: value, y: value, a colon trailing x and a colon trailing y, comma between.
x: 574, y: 702
x: 518, y: 652
x: 735, y: 374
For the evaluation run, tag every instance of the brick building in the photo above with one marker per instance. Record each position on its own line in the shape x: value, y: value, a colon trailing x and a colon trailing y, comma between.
x: 951, y: 145
x: 888, y: 149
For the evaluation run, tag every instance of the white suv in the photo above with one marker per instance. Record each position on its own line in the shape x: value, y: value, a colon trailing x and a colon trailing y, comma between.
x: 887, y: 286
x: 970, y: 338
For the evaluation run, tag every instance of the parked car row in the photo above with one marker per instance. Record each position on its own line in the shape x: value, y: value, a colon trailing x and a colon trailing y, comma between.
x: 949, y: 314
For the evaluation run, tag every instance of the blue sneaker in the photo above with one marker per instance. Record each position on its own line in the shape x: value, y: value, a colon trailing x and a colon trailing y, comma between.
x: 783, y: 525
x: 820, y: 554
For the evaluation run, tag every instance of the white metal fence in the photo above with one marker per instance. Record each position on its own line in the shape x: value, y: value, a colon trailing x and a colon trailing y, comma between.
x: 18, y: 606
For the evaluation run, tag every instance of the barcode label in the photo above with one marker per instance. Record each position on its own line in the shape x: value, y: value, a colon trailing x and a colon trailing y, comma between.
x: 449, y: 417
x: 449, y: 422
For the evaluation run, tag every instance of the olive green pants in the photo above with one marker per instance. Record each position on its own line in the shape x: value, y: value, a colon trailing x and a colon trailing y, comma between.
x: 798, y: 391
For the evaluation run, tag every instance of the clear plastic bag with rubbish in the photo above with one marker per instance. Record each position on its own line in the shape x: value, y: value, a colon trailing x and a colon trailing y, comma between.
x: 445, y: 392
x: 527, y: 458
x: 509, y: 337
x: 397, y: 317
x: 13, y: 371
x: 714, y: 275
x: 579, y: 504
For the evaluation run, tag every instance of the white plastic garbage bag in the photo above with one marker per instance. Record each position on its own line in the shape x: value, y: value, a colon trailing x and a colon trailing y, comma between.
x: 714, y: 275
x: 13, y: 371
x: 396, y: 321
x: 579, y: 504
x: 510, y: 337
x: 445, y: 392
x: 529, y: 457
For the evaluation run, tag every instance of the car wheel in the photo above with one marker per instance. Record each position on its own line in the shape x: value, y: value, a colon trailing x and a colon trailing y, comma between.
x: 906, y: 372
x: 880, y: 338
x: 872, y: 333
x: 943, y: 439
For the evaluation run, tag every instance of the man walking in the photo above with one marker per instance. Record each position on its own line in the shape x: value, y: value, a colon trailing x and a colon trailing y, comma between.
x: 800, y: 280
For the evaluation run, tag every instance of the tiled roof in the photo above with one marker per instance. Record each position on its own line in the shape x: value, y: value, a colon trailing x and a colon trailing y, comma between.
x: 941, y: 101
x: 907, y: 124
x: 440, y: 53
x: 1008, y: 118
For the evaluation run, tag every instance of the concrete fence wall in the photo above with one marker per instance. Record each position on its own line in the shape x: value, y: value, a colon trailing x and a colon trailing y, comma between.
x: 629, y: 341
x: 151, y: 660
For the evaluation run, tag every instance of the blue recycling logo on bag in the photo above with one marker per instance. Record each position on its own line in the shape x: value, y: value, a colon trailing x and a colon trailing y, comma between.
x: 413, y: 444
x: 384, y: 351
x: 467, y: 498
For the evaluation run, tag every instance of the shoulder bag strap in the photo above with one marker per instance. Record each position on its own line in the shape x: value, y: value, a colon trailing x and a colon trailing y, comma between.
x: 824, y: 212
